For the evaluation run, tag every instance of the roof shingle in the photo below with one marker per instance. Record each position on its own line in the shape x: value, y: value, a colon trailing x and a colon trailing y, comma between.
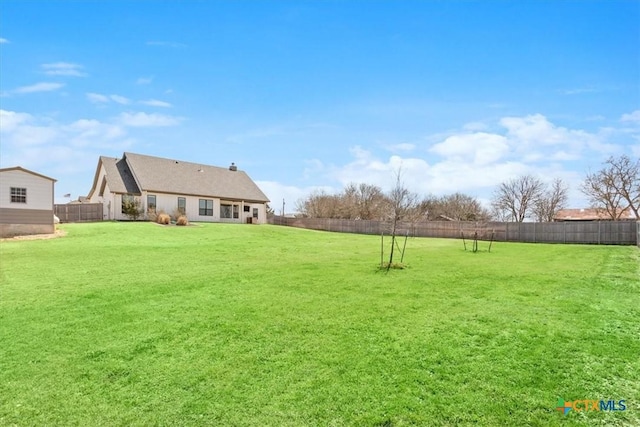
x: 179, y: 177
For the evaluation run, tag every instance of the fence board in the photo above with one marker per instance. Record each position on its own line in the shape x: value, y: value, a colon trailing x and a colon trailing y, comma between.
x: 585, y: 232
x: 79, y: 212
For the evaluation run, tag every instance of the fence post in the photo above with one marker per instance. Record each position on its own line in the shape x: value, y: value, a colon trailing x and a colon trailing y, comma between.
x: 519, y: 231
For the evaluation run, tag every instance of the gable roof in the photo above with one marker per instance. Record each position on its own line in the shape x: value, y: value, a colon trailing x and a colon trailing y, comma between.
x: 20, y: 168
x: 589, y: 214
x: 137, y: 172
x: 119, y: 176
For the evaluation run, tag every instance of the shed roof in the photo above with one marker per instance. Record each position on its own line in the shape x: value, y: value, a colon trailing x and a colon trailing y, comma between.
x: 20, y: 168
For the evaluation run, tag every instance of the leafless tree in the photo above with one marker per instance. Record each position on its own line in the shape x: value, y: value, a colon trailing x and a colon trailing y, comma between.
x: 356, y: 201
x: 319, y: 204
x: 365, y: 201
x: 403, y: 203
x: 551, y: 201
x: 457, y: 207
x: 518, y: 196
x: 615, y: 188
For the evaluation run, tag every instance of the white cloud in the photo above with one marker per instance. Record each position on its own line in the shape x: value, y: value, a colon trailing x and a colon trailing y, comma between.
x: 475, y: 162
x: 39, y: 87
x: 144, y: 80
x: 631, y: 117
x: 120, y: 99
x: 22, y: 129
x: 10, y: 120
x: 156, y: 103
x: 277, y: 192
x: 63, y: 69
x: 480, y: 147
x: 91, y: 132
x: 97, y: 98
x: 3, y: 40
x: 533, y: 129
x: 148, y: 120
x: 535, y: 135
x: 365, y: 167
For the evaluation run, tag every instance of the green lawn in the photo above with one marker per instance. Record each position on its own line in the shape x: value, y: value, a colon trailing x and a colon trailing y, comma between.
x: 121, y: 324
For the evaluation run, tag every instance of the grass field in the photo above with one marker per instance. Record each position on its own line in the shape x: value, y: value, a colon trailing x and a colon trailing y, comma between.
x: 137, y: 324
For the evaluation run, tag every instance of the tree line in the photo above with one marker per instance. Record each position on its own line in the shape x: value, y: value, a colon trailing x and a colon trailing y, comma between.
x: 614, y: 190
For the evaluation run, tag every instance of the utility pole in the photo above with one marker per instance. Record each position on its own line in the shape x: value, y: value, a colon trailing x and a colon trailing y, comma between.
x: 283, y: 207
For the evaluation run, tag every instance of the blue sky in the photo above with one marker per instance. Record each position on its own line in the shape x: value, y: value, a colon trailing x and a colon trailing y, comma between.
x: 313, y: 95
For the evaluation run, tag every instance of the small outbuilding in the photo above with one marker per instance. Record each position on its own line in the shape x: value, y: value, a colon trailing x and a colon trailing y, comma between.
x: 26, y: 202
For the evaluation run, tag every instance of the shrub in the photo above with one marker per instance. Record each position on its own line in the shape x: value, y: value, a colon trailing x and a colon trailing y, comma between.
x: 131, y: 207
x: 152, y: 216
x: 163, y: 218
x: 177, y: 213
x: 182, y: 220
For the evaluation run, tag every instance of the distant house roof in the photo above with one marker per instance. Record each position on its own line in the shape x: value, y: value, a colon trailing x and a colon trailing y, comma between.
x: 135, y: 173
x: 589, y: 214
x: 20, y: 168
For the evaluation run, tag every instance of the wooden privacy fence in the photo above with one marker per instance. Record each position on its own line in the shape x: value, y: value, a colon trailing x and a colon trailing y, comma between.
x: 79, y: 212
x: 591, y: 232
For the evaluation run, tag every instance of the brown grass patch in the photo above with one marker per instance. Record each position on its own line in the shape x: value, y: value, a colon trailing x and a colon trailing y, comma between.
x: 57, y: 233
x: 163, y: 218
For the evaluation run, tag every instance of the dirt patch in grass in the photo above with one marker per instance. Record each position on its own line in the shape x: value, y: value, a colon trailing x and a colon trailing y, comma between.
x: 57, y: 233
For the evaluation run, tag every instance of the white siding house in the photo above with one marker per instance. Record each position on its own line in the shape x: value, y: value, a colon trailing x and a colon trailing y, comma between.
x: 26, y: 202
x: 201, y: 192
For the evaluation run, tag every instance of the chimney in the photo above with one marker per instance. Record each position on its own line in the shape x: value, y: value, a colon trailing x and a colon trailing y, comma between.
x: 233, y: 167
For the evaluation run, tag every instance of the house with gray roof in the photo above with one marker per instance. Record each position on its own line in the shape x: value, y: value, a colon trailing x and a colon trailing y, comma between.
x: 201, y: 192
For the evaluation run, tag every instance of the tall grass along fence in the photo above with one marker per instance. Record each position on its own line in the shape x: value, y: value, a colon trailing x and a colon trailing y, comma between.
x: 79, y: 212
x: 592, y: 232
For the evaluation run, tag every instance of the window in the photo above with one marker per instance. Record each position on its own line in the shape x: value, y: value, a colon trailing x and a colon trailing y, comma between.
x: 182, y: 205
x: 236, y: 211
x: 151, y: 203
x: 255, y: 213
x: 18, y: 195
x: 225, y: 211
x: 206, y: 207
x: 247, y: 208
x: 127, y: 202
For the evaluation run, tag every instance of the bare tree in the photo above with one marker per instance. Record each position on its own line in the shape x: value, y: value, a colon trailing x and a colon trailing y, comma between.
x: 371, y: 202
x: 356, y: 201
x: 402, y: 203
x: 616, y: 187
x: 456, y: 206
x: 551, y: 201
x: 319, y: 205
x: 518, y: 196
